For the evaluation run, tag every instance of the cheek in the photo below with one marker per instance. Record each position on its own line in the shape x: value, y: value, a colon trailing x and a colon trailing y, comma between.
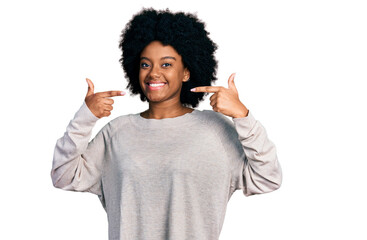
x: 142, y: 75
x: 141, y: 79
x: 175, y: 74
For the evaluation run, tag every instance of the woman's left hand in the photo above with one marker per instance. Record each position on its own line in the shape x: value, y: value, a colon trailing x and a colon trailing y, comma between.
x: 225, y: 100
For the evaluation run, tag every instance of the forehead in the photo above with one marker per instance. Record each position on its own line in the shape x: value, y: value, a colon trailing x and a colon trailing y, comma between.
x: 156, y: 50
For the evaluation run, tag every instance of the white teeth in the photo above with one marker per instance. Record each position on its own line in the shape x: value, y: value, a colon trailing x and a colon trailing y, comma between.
x: 156, y: 84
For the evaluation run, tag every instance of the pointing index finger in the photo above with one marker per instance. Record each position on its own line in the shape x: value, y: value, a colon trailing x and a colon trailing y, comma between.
x: 209, y: 89
x: 111, y: 93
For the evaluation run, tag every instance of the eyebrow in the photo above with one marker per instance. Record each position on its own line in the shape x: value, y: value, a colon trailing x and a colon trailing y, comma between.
x: 167, y: 57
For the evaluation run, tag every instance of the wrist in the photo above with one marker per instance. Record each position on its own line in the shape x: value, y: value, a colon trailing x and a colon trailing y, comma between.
x: 242, y: 114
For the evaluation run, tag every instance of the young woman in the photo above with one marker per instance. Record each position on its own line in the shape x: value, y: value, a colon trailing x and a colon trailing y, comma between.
x: 168, y: 172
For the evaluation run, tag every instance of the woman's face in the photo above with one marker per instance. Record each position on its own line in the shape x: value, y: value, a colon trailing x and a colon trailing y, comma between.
x: 161, y: 73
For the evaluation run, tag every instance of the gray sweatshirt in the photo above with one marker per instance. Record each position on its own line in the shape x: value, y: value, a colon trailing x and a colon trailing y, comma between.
x: 171, y: 178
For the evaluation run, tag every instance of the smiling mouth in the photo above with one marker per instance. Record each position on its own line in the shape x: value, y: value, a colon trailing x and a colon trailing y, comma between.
x: 155, y: 86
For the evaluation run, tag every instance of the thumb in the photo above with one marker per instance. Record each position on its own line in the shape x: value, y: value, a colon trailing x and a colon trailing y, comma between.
x: 231, y: 84
x: 90, y: 87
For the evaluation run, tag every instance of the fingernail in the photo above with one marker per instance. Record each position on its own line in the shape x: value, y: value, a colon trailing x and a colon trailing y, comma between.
x: 193, y: 89
x: 122, y: 93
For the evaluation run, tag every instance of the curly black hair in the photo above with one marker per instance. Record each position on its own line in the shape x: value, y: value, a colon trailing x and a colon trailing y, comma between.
x: 185, y: 33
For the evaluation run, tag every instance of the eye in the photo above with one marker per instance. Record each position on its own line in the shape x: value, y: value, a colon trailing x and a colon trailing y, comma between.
x: 144, y: 65
x: 166, y: 65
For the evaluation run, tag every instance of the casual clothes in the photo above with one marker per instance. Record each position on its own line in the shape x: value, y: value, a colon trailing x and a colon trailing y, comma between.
x: 166, y: 178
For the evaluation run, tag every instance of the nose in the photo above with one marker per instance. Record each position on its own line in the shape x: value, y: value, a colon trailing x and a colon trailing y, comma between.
x: 155, y: 72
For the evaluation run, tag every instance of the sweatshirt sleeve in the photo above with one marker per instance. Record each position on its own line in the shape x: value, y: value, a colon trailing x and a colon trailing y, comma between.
x: 260, y: 171
x: 77, y: 163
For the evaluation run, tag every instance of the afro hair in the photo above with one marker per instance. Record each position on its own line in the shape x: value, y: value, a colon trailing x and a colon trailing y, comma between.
x: 185, y: 33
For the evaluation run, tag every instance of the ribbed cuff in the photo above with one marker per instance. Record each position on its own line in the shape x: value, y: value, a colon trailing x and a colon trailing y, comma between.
x: 85, y: 115
x: 245, y: 124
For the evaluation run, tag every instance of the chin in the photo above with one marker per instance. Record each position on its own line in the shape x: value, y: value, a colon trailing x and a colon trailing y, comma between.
x: 154, y: 99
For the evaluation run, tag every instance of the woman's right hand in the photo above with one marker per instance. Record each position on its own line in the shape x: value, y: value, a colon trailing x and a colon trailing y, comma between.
x: 100, y: 104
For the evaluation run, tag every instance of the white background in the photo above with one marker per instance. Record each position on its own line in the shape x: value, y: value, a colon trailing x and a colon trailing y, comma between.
x: 300, y: 69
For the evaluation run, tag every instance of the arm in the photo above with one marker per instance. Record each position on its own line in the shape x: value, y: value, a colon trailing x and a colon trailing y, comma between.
x: 76, y: 163
x: 261, y: 171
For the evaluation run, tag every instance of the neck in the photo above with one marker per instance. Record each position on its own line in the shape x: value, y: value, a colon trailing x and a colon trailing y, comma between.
x: 165, y: 110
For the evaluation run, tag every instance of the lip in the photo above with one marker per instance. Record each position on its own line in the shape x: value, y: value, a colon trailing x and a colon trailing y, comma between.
x: 157, y: 87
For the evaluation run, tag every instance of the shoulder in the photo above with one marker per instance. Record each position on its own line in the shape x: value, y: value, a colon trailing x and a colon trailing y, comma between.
x: 213, y: 117
x: 115, y: 125
x: 223, y: 128
x: 217, y: 121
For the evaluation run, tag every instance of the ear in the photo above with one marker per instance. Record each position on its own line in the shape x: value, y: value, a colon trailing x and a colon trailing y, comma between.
x: 186, y: 75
